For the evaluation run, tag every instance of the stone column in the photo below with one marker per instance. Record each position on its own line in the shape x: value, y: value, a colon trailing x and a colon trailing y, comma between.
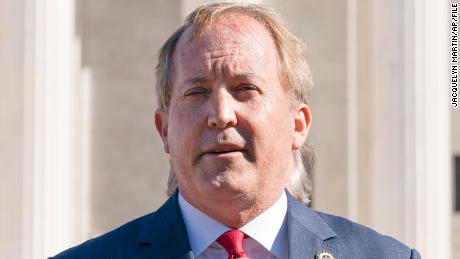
x: 402, y: 182
x: 41, y: 184
x: 11, y: 127
x: 53, y: 166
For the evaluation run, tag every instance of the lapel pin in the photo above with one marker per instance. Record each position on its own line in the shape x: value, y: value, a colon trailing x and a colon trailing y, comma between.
x: 324, y: 255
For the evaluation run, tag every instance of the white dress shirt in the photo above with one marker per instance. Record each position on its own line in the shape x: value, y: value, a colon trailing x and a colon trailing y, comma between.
x: 267, y: 232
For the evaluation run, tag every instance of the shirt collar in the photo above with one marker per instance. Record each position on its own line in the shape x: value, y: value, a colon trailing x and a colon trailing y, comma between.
x: 269, y: 226
x: 203, y: 230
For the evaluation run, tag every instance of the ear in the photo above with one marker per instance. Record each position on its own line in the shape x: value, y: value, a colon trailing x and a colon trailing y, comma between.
x: 302, y: 120
x: 161, y: 123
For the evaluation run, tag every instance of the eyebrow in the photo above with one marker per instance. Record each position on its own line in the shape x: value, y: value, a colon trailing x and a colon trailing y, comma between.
x: 196, y: 80
x: 246, y: 76
x: 238, y: 77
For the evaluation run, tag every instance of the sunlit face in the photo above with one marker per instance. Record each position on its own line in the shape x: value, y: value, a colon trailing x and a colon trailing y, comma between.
x: 229, y: 130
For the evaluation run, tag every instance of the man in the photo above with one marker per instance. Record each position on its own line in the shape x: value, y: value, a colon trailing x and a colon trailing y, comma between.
x: 233, y: 115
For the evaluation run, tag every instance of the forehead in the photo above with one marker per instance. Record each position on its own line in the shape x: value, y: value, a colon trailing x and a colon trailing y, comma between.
x: 231, y: 37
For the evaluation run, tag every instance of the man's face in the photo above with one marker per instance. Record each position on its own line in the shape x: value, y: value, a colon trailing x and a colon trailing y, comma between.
x: 229, y: 130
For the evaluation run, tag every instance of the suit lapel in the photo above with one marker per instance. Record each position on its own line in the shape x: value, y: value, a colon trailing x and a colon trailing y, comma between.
x: 164, y: 234
x: 307, y: 231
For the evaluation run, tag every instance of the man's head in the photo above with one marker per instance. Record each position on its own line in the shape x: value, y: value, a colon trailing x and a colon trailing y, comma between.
x: 293, y: 68
x: 233, y: 90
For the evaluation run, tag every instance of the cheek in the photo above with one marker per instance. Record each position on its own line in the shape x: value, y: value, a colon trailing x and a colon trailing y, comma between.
x: 275, y: 131
x: 273, y: 119
x: 184, y: 129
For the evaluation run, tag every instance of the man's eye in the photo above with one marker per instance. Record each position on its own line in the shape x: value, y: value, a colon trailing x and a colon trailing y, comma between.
x: 246, y: 87
x: 196, y: 91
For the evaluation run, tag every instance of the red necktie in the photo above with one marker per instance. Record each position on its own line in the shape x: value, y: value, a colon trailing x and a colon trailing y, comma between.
x: 232, y: 241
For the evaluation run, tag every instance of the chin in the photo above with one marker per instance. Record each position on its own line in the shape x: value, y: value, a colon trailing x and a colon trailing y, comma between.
x: 226, y: 188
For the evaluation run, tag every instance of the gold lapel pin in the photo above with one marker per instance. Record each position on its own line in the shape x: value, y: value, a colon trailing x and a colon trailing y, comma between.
x: 324, y: 255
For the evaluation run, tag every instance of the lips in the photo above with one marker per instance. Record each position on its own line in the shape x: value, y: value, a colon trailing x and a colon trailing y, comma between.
x: 223, y: 149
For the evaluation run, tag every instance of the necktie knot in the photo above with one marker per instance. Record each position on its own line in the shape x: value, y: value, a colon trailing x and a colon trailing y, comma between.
x: 232, y: 241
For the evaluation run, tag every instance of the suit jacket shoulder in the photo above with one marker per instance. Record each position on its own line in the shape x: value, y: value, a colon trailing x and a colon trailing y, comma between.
x: 311, y: 232
x: 352, y: 240
x: 160, y: 234
x: 119, y: 242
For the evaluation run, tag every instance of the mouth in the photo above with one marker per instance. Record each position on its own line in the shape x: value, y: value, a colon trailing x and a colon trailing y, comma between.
x: 224, y: 151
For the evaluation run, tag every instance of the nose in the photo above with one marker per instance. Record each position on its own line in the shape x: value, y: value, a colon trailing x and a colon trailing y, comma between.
x: 221, y: 112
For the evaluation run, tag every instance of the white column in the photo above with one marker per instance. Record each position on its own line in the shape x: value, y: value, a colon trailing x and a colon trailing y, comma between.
x: 52, y: 175
x: 428, y: 116
x: 399, y: 141
x: 11, y: 126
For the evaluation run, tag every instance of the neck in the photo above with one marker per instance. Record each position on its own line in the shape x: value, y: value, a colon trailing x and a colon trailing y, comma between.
x: 236, y: 212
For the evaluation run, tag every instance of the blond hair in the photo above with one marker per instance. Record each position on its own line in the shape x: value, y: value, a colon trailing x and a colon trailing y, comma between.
x: 293, y: 70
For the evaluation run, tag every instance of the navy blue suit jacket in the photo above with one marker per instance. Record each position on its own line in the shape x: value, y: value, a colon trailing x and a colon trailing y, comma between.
x: 162, y: 234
